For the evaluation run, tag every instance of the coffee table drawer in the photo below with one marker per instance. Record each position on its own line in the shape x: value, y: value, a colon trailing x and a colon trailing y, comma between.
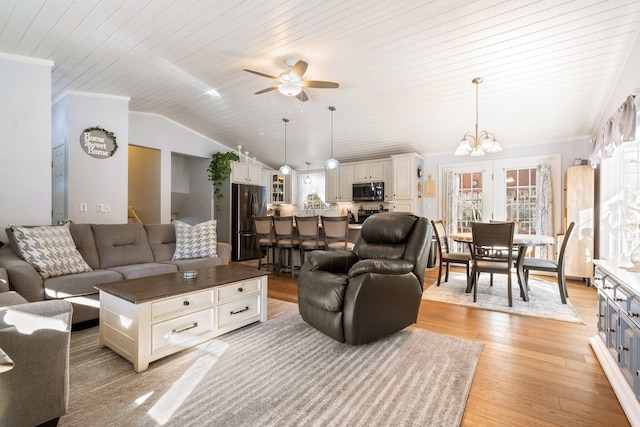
x: 181, y: 305
x: 178, y: 332
x: 238, y: 311
x: 237, y: 290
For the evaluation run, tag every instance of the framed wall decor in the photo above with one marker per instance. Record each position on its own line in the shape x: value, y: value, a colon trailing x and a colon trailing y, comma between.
x: 98, y: 142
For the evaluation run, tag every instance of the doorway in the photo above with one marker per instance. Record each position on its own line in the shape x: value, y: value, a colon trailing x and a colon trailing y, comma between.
x: 144, y: 185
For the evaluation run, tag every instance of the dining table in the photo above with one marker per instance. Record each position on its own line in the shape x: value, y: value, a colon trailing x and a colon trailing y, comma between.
x: 523, y: 242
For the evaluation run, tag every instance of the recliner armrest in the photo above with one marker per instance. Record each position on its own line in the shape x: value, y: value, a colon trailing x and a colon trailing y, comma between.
x: 333, y: 262
x: 381, y: 266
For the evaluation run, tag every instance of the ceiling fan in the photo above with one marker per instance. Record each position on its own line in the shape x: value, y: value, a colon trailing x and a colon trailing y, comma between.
x: 291, y: 82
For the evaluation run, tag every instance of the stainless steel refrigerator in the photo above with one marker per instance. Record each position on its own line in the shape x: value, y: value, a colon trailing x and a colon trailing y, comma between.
x: 247, y: 201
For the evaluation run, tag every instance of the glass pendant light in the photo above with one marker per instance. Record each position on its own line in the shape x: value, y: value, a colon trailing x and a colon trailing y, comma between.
x: 332, y: 163
x: 307, y: 180
x: 285, y: 169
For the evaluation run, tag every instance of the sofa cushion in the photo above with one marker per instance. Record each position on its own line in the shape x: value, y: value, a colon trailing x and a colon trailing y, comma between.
x: 121, y: 244
x: 144, y: 270
x: 162, y: 239
x: 78, y: 284
x: 49, y: 249
x: 11, y: 298
x: 195, y: 264
x: 195, y: 241
x: 83, y: 238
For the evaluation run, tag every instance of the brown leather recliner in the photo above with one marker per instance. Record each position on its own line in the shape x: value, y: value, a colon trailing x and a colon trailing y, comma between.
x: 375, y: 290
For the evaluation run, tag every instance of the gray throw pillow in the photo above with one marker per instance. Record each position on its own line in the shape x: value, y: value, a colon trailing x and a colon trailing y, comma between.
x: 49, y: 249
x: 195, y: 241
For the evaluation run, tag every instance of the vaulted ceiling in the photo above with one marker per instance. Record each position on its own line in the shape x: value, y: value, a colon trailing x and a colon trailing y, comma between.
x: 404, y: 67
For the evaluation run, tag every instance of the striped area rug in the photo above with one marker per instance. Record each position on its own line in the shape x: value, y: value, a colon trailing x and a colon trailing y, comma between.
x: 279, y: 373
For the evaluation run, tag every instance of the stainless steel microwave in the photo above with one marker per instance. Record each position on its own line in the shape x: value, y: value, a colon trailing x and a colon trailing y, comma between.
x: 368, y: 192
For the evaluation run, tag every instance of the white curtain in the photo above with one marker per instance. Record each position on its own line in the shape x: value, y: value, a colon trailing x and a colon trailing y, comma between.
x: 451, y: 203
x: 544, y: 208
x: 621, y: 127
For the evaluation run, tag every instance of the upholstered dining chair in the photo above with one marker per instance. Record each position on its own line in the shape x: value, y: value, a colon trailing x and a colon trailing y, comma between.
x: 265, y: 240
x: 336, y: 233
x: 492, y: 252
x: 447, y: 257
x: 286, y: 242
x: 308, y: 234
x: 538, y: 264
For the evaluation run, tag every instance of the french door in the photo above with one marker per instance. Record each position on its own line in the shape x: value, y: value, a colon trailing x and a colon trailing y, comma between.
x: 502, y: 190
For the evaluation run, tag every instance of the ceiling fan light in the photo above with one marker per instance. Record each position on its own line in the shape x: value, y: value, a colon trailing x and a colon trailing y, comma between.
x: 285, y: 169
x: 331, y: 164
x: 290, y: 88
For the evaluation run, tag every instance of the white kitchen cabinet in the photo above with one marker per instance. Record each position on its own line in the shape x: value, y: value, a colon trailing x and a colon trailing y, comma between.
x: 283, y: 189
x: 407, y: 185
x: 388, y: 181
x: 244, y: 173
x: 339, y: 184
x: 372, y: 171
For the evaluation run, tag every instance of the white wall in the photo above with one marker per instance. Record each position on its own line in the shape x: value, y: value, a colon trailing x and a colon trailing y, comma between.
x: 91, y: 180
x: 25, y: 141
x: 155, y: 131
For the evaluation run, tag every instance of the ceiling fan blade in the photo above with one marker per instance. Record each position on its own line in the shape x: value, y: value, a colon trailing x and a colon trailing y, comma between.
x: 269, y: 89
x: 260, y: 74
x: 320, y: 84
x: 300, y: 68
x: 302, y: 96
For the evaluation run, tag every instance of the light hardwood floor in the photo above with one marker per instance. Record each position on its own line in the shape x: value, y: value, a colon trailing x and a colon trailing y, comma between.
x: 533, y: 372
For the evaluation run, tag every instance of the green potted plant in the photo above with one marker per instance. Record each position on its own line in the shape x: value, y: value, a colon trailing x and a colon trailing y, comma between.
x: 219, y: 170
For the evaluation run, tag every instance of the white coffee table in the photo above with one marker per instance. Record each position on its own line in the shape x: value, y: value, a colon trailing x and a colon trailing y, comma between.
x: 152, y: 317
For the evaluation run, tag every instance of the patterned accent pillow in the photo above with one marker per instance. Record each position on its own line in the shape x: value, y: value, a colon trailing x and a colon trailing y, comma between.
x: 195, y: 241
x: 50, y: 250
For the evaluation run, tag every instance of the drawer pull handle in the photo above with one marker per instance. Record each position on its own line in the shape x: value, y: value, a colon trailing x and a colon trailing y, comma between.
x: 611, y: 330
x: 623, y: 348
x: 185, y: 303
x: 632, y: 314
x: 239, y: 311
x: 618, y: 299
x: 186, y: 328
x: 240, y: 289
x: 599, y: 315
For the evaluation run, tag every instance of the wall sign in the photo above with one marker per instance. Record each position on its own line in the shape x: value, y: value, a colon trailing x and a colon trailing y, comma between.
x: 98, y: 143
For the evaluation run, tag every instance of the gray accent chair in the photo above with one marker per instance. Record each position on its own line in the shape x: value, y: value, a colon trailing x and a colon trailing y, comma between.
x: 36, y: 336
x: 375, y: 290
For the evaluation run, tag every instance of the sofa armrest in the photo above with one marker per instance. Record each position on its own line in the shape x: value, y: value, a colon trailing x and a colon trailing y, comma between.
x: 37, y: 337
x: 381, y: 266
x: 4, y: 280
x: 23, y: 278
x: 331, y: 261
x: 224, y: 252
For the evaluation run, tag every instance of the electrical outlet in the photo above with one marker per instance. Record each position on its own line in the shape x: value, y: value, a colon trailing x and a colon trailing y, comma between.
x: 103, y: 207
x: 83, y: 206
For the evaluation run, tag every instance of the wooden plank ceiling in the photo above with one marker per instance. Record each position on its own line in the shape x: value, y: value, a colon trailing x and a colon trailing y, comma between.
x: 404, y: 67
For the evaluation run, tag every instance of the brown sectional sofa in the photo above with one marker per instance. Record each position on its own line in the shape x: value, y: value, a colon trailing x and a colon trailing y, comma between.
x: 115, y: 252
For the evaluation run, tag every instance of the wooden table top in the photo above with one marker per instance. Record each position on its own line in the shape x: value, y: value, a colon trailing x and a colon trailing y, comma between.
x: 151, y: 288
x: 518, y: 239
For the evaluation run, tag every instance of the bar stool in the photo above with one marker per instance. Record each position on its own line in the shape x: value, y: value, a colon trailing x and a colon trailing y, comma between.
x: 336, y: 232
x: 308, y: 234
x: 285, y: 242
x: 265, y: 240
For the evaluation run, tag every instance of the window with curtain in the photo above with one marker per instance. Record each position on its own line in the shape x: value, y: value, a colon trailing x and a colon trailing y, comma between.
x: 521, y: 198
x: 311, y: 196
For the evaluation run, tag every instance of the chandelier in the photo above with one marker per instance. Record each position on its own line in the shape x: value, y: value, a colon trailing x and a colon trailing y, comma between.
x: 332, y: 163
x: 477, y: 144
